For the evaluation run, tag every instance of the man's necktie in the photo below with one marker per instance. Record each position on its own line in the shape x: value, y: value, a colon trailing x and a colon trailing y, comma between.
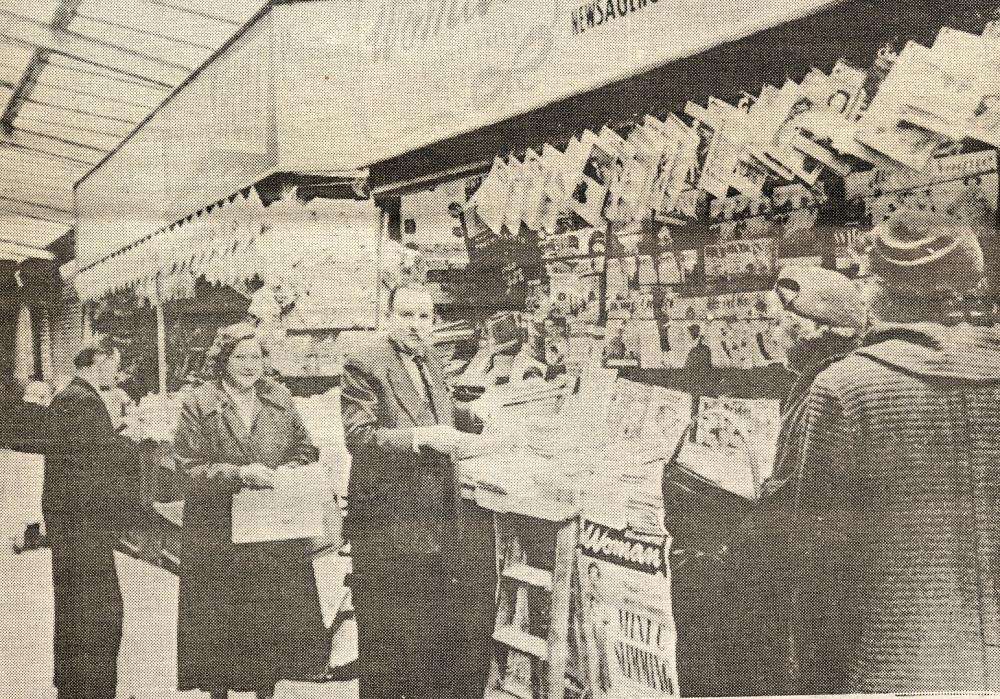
x: 421, y: 362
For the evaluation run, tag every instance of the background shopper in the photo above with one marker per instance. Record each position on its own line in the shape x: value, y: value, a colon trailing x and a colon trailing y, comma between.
x: 895, y: 484
x: 90, y: 494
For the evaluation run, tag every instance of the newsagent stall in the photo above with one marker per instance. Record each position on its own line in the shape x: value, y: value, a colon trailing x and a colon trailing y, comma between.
x: 631, y: 349
x: 605, y: 286
x: 276, y: 261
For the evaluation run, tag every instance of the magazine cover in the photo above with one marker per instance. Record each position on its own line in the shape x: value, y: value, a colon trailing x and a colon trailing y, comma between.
x: 627, y: 619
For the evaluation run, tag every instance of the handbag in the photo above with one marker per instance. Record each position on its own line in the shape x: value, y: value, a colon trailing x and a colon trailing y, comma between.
x: 701, y: 515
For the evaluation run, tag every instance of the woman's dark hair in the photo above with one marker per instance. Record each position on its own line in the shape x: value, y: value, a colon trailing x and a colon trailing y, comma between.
x: 222, y: 348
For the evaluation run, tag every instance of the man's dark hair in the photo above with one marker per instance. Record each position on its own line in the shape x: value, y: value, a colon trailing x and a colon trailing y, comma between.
x: 88, y: 354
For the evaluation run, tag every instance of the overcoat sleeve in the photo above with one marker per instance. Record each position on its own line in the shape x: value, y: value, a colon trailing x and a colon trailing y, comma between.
x: 302, y: 446
x: 361, y: 409
x: 194, y: 458
x: 467, y: 421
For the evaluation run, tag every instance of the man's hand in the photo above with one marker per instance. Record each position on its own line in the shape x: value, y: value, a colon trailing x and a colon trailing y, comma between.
x: 291, y: 465
x: 257, y: 476
x: 440, y: 438
x: 482, y: 409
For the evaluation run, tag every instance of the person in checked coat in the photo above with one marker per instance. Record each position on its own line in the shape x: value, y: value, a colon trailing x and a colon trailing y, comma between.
x: 895, y: 483
x: 423, y: 561
x: 249, y: 614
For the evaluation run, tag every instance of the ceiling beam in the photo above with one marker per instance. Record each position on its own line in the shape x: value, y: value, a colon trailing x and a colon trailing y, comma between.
x: 42, y: 207
x: 54, y: 190
x: 61, y: 18
x: 28, y: 32
x: 47, y: 207
x: 34, y: 139
x: 79, y: 93
x: 48, y: 198
x: 186, y: 9
x: 78, y: 68
x: 143, y: 32
x: 31, y: 123
x: 81, y: 112
x: 34, y: 213
x: 88, y: 113
x: 29, y: 161
x: 47, y: 152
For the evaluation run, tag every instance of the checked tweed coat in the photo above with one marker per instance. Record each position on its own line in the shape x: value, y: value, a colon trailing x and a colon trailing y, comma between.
x: 896, y: 526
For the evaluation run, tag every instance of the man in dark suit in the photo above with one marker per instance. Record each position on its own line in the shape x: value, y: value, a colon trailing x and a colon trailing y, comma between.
x: 423, y: 559
x: 91, y: 492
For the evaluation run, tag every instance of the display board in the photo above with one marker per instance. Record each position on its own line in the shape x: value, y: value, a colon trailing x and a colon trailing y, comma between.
x: 626, y: 613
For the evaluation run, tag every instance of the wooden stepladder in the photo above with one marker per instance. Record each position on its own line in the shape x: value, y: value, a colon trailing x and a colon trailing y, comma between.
x: 531, y: 648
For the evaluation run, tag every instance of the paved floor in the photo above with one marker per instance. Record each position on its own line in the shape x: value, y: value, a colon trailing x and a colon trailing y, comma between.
x: 147, y: 661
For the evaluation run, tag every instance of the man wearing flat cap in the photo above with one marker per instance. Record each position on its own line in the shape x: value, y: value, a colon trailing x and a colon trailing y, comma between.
x: 895, y: 487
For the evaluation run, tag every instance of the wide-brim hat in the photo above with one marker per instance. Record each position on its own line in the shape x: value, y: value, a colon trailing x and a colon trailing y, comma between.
x: 821, y: 295
x: 926, y: 254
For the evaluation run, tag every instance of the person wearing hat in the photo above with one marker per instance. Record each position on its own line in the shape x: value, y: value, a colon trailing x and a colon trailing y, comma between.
x: 822, y: 318
x: 822, y: 315
x: 895, y: 488
x: 248, y: 613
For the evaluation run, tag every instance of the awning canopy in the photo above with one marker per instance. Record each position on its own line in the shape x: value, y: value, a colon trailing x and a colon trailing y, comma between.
x: 307, y: 88
x: 853, y: 30
x: 241, y: 239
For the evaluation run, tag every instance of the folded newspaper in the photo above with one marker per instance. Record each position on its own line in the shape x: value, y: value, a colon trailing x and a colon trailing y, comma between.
x: 293, y: 509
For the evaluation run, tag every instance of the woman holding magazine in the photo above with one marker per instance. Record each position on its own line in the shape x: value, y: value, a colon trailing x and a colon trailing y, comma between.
x: 249, y: 614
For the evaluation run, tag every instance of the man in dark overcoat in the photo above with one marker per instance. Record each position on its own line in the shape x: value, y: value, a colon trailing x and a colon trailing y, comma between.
x: 423, y: 559
x: 91, y: 493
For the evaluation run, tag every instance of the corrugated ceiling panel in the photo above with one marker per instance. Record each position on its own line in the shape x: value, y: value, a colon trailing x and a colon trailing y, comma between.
x: 59, y: 114
x: 90, y: 105
x: 97, y: 134
x: 155, y: 46
x: 95, y: 81
x: 109, y: 105
x: 39, y: 11
x: 69, y: 133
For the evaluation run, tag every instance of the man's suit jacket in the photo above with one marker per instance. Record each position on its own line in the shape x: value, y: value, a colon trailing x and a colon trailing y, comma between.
x: 91, y: 471
x: 402, y: 505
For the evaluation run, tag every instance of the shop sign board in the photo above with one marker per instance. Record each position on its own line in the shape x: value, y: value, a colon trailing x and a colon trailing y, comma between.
x: 396, y: 75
